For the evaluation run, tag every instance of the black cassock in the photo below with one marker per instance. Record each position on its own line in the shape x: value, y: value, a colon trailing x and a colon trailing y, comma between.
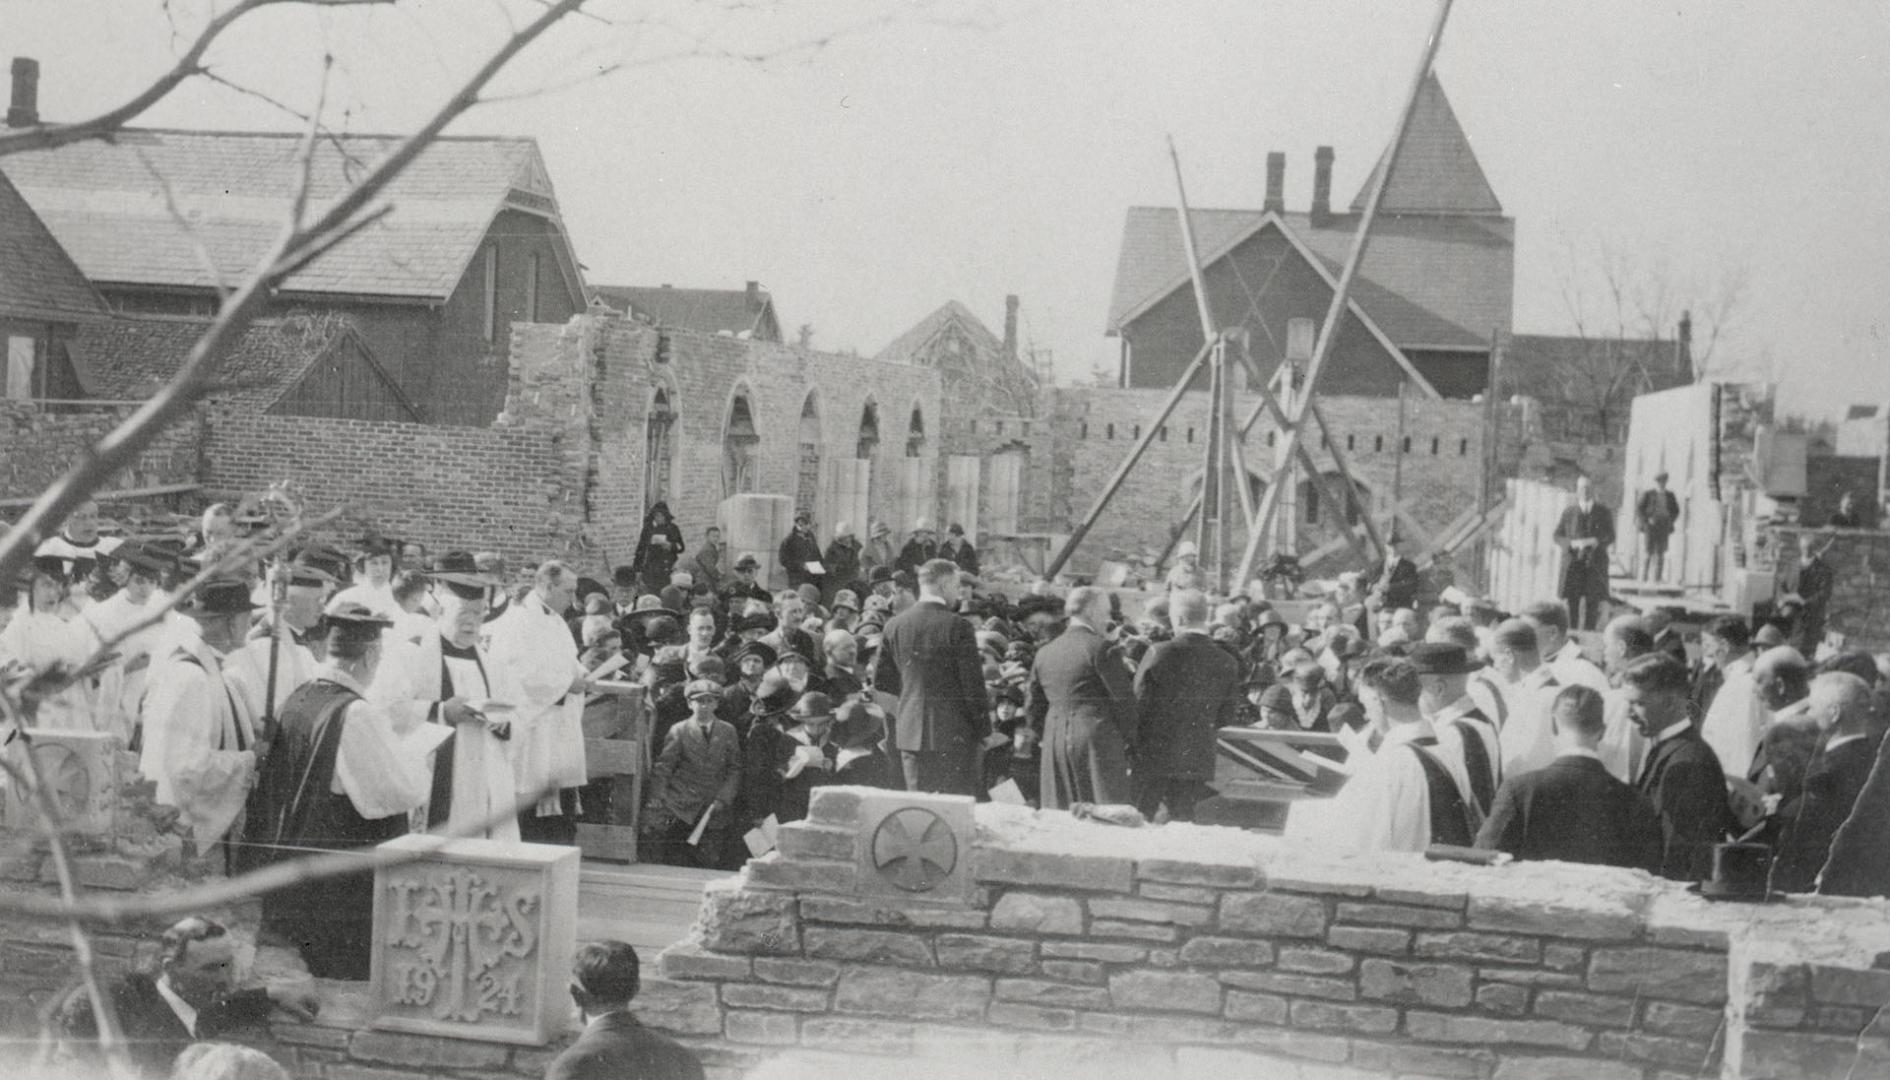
x: 330, y: 920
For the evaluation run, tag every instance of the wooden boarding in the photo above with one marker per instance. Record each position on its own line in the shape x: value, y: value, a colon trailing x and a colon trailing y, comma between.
x: 1278, y: 765
x: 617, y: 754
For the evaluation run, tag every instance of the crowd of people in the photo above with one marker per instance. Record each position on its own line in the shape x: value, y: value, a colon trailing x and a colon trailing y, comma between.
x: 332, y: 700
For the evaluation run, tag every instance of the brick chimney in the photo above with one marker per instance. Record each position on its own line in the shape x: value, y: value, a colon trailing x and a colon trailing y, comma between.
x: 754, y: 296
x: 1010, y: 327
x: 1683, y: 348
x: 1276, y: 182
x: 24, y: 111
x: 1322, y: 185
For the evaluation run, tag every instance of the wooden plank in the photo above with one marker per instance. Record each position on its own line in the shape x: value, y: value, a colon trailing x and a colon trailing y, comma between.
x: 612, y: 757
x: 607, y: 841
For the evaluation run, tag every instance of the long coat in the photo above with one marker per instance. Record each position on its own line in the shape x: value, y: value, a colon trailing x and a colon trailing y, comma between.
x: 1185, y: 691
x: 1832, y: 785
x: 1574, y: 811
x: 1081, y: 700
x: 1859, y: 860
x: 1683, y: 780
x: 1400, y: 587
x: 799, y: 549
x: 1585, y: 573
x: 929, y: 658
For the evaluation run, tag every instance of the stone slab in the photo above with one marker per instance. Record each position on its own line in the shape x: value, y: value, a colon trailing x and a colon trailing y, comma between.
x: 913, y: 845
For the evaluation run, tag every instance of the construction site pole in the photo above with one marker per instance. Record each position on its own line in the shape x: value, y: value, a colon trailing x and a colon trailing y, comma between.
x: 1341, y: 294
x: 1210, y: 481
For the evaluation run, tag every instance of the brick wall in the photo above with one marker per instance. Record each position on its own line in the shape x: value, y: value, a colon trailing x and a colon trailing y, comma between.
x: 37, y: 445
x: 1182, y: 949
x: 1438, y: 476
x: 1860, y: 602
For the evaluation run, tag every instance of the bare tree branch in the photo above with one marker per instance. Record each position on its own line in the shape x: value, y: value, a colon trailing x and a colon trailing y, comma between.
x: 105, y: 124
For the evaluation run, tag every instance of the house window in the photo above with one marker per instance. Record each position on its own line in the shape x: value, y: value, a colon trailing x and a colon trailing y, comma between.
x: 1081, y: 433
x: 1378, y: 444
x: 531, y: 289
x: 1434, y: 444
x: 1351, y: 442
x: 1463, y: 447
x: 21, y: 352
x: 1406, y: 446
x: 1112, y: 432
x: 492, y: 293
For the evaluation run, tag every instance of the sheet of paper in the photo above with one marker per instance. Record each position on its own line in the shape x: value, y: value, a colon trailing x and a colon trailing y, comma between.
x: 608, y: 667
x: 695, y: 834
x: 1357, y: 744
x: 1009, y: 792
x: 815, y: 568
x: 758, y: 843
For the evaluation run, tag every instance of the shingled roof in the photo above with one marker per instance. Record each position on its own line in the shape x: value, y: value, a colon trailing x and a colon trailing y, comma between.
x: 129, y: 359
x: 38, y: 280
x: 105, y: 204
x: 706, y: 311
x: 910, y: 346
x: 1440, y: 270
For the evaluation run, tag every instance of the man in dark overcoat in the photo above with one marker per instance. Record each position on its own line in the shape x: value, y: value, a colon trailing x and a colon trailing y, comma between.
x: 1575, y: 810
x: 1682, y: 776
x: 1840, y: 706
x: 1081, y: 701
x: 1586, y: 532
x: 1187, y: 689
x: 928, y: 657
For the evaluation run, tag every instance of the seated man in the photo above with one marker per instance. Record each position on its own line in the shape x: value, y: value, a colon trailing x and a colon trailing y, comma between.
x: 191, y: 995
x: 604, y: 978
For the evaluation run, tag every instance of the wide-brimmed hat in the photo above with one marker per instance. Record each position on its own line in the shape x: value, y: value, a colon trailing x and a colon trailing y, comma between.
x: 847, y: 600
x: 460, y: 568
x: 756, y: 648
x: 747, y: 562
x: 756, y: 621
x: 218, y: 596
x: 857, y: 724
x: 349, y: 621
x: 812, y: 705
x: 1440, y: 658
x: 326, y: 561
x: 136, y: 555
x: 650, y: 606
x: 1278, y: 697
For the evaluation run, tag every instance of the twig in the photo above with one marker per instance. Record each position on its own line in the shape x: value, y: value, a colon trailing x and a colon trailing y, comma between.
x: 110, y: 1035
x: 171, y: 207
x: 116, y: 911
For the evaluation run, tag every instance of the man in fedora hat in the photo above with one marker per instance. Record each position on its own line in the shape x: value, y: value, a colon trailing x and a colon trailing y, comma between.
x: 1656, y: 512
x: 343, y: 774
x: 445, y: 677
x: 698, y: 773
x: 199, y: 742
x: 800, y: 553
x: 741, y: 584
x: 1574, y: 810
x: 534, y: 647
x: 1466, y: 737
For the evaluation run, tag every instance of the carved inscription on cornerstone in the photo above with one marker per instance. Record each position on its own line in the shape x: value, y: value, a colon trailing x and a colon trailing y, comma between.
x: 475, y: 940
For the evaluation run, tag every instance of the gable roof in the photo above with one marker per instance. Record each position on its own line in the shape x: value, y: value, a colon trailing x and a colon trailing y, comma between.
x: 1440, y: 270
x: 1428, y: 282
x: 1438, y: 172
x: 104, y: 203
x: 911, y: 346
x: 707, y: 311
x: 130, y: 358
x: 38, y: 280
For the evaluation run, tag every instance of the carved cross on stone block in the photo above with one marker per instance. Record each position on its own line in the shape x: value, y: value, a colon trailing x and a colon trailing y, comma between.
x: 80, y: 768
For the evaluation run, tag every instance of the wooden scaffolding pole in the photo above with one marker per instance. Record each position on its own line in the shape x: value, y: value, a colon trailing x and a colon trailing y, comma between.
x: 1341, y: 294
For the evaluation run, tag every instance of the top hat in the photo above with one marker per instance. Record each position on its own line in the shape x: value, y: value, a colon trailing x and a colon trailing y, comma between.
x: 1440, y: 658
x: 1740, y: 872
x: 219, y: 596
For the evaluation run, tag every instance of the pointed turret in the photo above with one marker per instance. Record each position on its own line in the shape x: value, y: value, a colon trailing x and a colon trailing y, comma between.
x: 1437, y: 170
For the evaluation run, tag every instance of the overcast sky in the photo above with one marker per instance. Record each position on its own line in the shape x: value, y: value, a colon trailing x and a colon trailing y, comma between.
x: 964, y: 151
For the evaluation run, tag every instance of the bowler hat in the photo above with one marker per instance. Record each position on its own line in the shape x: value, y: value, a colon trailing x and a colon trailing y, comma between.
x: 857, y: 724
x: 757, y: 621
x: 880, y: 575
x: 1740, y: 872
x: 1278, y: 698
x: 813, y: 705
x: 218, y: 596
x: 1440, y: 658
x: 747, y: 562
x: 351, y: 622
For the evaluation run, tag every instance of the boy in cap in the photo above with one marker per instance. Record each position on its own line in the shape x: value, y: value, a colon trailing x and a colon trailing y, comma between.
x: 698, y: 773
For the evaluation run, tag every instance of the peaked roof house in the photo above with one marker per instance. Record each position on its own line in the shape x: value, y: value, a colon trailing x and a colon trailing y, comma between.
x: 1434, y: 292
x: 43, y: 300
x: 157, y: 218
x: 744, y: 313
x: 981, y: 372
x: 1586, y: 385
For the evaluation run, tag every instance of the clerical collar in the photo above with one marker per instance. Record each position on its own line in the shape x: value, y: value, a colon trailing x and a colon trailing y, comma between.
x: 1587, y: 506
x: 178, y: 1005
x: 1673, y: 729
x: 458, y: 652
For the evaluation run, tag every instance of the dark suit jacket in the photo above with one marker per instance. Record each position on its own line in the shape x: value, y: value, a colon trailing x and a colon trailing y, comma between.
x: 1081, y: 700
x: 1833, y: 785
x: 1400, y: 589
x: 153, y: 1033
x: 1683, y: 780
x: 929, y: 658
x: 1185, y: 690
x: 616, y: 1047
x: 1585, y: 573
x: 1574, y: 811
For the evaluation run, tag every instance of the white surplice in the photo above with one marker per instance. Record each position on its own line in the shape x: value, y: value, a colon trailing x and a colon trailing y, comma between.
x: 1384, y: 806
x: 40, y: 640
x: 1737, y: 719
x: 381, y: 768
x: 1527, y: 741
x: 533, y: 646
x: 197, y: 740
x: 409, y: 688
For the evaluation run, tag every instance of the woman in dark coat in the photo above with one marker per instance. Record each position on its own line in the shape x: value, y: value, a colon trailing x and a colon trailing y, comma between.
x: 659, y: 545
x: 842, y: 561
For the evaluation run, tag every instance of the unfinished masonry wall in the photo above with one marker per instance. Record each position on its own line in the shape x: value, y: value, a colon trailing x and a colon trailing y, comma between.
x: 1049, y: 945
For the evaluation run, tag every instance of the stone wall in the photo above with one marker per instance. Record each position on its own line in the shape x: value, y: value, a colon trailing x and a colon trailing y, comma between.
x: 39, y: 442
x: 1829, y: 478
x: 1052, y: 943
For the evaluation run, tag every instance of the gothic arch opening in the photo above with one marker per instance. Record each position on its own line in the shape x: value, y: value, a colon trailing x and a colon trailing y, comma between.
x: 741, y: 441
x: 807, y: 475
x: 659, y: 442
